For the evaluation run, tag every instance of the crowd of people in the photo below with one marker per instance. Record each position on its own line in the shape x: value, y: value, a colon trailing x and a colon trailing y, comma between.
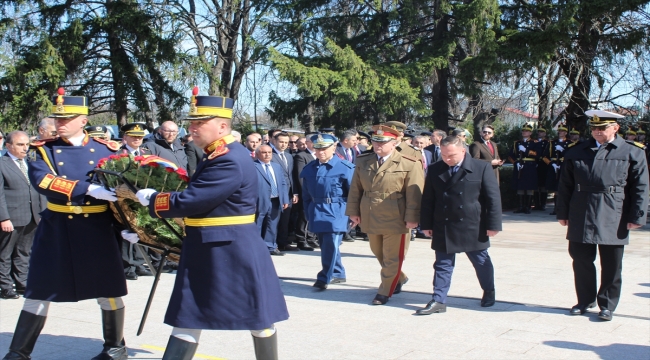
x: 277, y: 192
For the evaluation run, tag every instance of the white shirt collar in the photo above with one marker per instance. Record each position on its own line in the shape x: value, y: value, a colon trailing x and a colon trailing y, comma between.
x: 77, y: 141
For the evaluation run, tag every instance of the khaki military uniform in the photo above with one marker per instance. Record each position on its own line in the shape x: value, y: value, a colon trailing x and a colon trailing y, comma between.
x: 409, y: 150
x: 386, y: 197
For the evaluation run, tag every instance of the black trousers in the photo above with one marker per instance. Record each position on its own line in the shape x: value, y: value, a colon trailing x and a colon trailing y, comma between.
x: 303, y: 235
x: 584, y: 272
x: 15, y: 248
x: 283, y: 226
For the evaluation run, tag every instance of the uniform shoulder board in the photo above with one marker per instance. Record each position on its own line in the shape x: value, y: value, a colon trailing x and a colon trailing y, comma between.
x: 365, y: 153
x: 409, y: 158
x: 218, y: 152
x: 39, y: 142
x: 348, y: 164
x: 573, y: 144
x: 636, y: 143
x: 110, y: 144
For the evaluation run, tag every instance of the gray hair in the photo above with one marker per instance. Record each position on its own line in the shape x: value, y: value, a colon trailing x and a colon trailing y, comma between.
x: 349, y: 133
x: 10, y: 137
x: 439, y: 133
x: 259, y: 148
x: 420, y: 137
x: 236, y: 134
x: 47, y: 121
x: 452, y: 140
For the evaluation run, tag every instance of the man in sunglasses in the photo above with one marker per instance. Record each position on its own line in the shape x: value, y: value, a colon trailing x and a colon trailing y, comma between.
x: 602, y: 195
x: 486, y: 149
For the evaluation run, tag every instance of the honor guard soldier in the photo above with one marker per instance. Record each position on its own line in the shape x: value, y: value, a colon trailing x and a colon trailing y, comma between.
x: 541, y: 194
x: 385, y: 200
x: 630, y: 135
x: 603, y: 194
x: 574, y: 138
x: 326, y: 184
x: 523, y: 156
x: 75, y: 255
x: 553, y: 158
x: 225, y: 279
x: 97, y: 132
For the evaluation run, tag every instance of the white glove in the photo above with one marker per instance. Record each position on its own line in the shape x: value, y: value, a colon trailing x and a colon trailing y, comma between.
x: 556, y: 167
x: 519, y: 167
x: 522, y: 148
x: 144, y: 195
x: 130, y: 236
x: 99, y: 192
x: 559, y: 148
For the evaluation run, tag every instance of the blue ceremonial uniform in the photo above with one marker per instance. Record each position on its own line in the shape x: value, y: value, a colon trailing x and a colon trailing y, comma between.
x: 226, y: 279
x: 325, y: 194
x: 526, y: 178
x: 75, y: 256
x: 554, y: 156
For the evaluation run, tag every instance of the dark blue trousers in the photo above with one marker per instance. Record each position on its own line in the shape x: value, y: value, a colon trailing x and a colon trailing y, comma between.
x: 330, y: 257
x: 444, y: 268
x: 267, y: 224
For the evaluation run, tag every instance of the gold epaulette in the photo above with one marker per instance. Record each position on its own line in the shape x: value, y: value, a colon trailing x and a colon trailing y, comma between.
x: 637, y: 144
x: 39, y: 142
x: 110, y: 144
x: 572, y: 144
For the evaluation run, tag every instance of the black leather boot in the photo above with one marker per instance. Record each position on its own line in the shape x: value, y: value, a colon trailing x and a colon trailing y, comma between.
x: 521, y: 205
x: 178, y: 349
x: 113, y: 327
x: 527, y: 201
x: 542, y: 201
x: 266, y: 348
x: 28, y: 328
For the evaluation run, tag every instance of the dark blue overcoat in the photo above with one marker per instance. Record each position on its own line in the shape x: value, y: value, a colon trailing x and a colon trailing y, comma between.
x: 526, y: 178
x: 325, y: 190
x: 226, y: 279
x: 74, y: 256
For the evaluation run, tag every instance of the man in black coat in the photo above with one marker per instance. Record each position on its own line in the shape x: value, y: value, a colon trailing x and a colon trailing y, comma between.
x: 602, y: 195
x: 461, y: 209
x: 20, y: 205
x: 165, y: 143
x: 306, y: 239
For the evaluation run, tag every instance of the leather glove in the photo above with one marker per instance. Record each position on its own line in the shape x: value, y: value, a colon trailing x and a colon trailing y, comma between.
x: 522, y: 148
x: 130, y: 236
x: 99, y: 192
x: 519, y: 167
x: 144, y: 195
x: 559, y: 148
x: 556, y: 167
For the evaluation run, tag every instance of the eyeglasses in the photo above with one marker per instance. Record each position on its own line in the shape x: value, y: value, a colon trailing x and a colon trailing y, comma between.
x: 599, y: 128
x: 170, y: 131
x: 292, y: 142
x: 487, y: 132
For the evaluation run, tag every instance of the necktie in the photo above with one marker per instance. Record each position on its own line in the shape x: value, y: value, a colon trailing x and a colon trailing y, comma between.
x: 424, y: 161
x: 348, y: 154
x: 454, y: 170
x: 23, y: 168
x: 380, y: 161
x: 284, y: 160
x: 274, y: 187
x: 489, y: 144
x: 437, y: 153
x: 136, y: 153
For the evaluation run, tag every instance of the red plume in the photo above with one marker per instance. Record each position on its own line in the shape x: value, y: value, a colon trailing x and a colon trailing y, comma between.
x: 61, y: 91
x: 195, y: 91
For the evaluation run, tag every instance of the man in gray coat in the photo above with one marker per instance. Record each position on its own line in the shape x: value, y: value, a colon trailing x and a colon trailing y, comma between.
x: 602, y: 195
x: 20, y: 206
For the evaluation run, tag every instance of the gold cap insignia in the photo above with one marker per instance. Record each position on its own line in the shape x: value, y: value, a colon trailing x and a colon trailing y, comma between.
x: 381, y: 132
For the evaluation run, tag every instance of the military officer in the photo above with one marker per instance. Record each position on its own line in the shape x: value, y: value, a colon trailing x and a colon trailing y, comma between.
x: 97, y: 131
x: 603, y: 194
x: 541, y: 194
x: 523, y: 156
x: 326, y: 184
x: 226, y: 279
x: 75, y: 255
x: 403, y: 147
x: 553, y: 157
x: 385, y: 199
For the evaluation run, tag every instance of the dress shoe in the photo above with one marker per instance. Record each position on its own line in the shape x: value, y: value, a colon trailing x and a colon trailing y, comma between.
x: 288, y: 248
x: 432, y: 307
x: 313, y: 244
x: 143, y: 272
x: 380, y: 300
x: 337, y: 280
x: 421, y: 235
x: 276, y: 252
x: 9, y: 294
x: 398, y: 288
x: 348, y: 238
x: 489, y: 298
x: 581, y: 309
x: 605, y: 315
x: 553, y: 213
x: 131, y: 275
x: 305, y: 247
x: 320, y: 284
x: 20, y: 290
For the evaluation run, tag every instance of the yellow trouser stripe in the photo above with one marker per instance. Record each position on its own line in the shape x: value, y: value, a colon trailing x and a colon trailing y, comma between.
x: 112, y: 302
x: 91, y: 209
x: 221, y: 221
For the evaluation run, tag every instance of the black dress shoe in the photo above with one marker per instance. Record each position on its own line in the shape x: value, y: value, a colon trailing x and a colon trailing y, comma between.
x: 305, y: 247
x: 380, y: 300
x: 131, y: 275
x: 337, y: 280
x: 432, y: 307
x: 581, y: 309
x: 398, y: 288
x: 313, y: 244
x: 144, y: 272
x: 20, y: 290
x: 9, y: 294
x: 605, y: 315
x: 320, y: 284
x: 553, y: 213
x: 288, y: 248
x: 489, y: 298
x: 276, y: 252
x: 348, y: 238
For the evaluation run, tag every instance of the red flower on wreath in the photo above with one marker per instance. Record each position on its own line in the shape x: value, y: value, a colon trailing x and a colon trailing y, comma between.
x: 153, y: 164
x: 185, y: 178
x: 113, y: 157
x: 169, y: 170
x: 124, y: 155
x: 181, y: 172
x: 138, y: 158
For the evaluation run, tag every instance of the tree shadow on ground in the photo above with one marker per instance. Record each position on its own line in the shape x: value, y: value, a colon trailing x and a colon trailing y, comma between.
x: 612, y: 351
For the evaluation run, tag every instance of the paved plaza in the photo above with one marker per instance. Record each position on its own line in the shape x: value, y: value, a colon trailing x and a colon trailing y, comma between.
x: 534, y: 287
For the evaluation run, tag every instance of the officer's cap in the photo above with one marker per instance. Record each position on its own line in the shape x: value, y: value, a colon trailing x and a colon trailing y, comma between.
x: 384, y: 133
x: 541, y: 130
x: 327, y: 130
x: 630, y: 132
x: 562, y: 127
x: 364, y: 135
x: 322, y: 141
x: 602, y: 117
x: 640, y: 132
x: 426, y: 133
x: 411, y: 136
x: 133, y: 129
x: 93, y: 131
x: 574, y: 132
x: 396, y: 125
x: 208, y: 107
x: 526, y: 127
x: 68, y: 106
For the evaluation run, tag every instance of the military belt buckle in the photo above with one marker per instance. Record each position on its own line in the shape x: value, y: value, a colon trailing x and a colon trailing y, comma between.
x: 77, y: 210
x: 328, y: 200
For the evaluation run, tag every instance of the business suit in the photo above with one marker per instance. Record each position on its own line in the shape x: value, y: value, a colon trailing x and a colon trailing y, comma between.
x: 194, y: 155
x: 20, y: 203
x: 287, y: 172
x: 340, y: 152
x: 304, y: 237
x: 269, y: 209
x: 460, y: 207
x: 480, y: 150
x: 435, y: 153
